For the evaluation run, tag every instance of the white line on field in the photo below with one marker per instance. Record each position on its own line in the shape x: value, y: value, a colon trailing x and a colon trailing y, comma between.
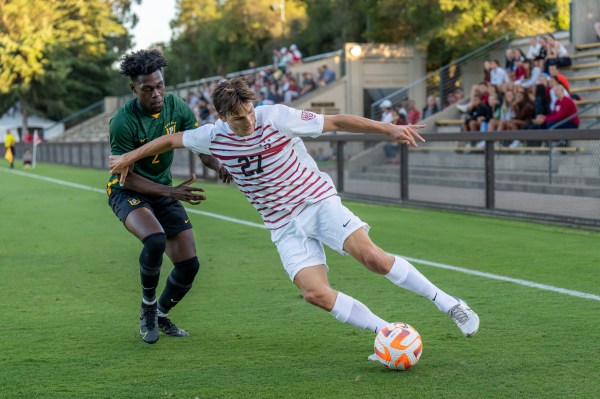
x: 492, y: 276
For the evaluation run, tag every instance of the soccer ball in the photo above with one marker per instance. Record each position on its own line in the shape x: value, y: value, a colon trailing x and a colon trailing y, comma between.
x: 398, y: 346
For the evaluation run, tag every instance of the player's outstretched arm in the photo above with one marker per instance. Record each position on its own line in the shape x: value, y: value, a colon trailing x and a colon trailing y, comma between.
x: 403, y: 134
x: 119, y: 164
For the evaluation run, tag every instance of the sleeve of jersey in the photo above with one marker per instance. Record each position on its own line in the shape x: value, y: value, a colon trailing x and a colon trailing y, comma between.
x: 296, y: 123
x: 121, y: 138
x: 189, y: 119
x: 198, y: 140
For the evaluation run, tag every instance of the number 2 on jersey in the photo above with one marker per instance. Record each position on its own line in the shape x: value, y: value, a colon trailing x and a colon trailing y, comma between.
x: 247, y: 161
x: 155, y: 159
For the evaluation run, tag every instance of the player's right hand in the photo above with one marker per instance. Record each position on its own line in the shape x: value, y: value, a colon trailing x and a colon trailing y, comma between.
x: 184, y: 192
x: 116, y: 167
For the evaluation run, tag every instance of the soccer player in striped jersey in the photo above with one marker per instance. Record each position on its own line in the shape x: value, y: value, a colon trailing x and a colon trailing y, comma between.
x: 263, y: 150
x: 148, y: 205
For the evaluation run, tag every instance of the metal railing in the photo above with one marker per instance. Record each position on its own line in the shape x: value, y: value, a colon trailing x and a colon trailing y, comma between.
x: 585, y: 194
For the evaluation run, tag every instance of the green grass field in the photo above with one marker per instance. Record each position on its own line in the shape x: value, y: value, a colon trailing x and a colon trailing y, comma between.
x: 70, y: 301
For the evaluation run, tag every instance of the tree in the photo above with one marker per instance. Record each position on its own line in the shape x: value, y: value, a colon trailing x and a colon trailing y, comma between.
x: 42, y: 42
x: 214, y: 37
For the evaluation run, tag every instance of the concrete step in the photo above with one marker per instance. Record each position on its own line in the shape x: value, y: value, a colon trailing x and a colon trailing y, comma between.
x: 589, y: 77
x: 587, y: 46
x: 586, y: 88
x: 587, y: 65
x: 584, y: 55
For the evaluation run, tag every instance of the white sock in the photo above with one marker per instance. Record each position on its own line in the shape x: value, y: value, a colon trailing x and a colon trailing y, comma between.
x: 349, y: 310
x: 404, y: 275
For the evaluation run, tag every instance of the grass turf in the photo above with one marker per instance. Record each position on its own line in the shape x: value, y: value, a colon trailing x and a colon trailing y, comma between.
x: 71, y: 295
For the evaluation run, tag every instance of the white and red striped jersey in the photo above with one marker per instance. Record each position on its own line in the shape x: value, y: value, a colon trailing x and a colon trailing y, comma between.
x: 271, y: 166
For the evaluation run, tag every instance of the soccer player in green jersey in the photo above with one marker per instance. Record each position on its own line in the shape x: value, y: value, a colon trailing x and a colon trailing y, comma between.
x: 149, y: 206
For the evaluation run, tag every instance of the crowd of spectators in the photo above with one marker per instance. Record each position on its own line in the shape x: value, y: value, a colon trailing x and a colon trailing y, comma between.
x: 274, y: 84
x: 528, y: 92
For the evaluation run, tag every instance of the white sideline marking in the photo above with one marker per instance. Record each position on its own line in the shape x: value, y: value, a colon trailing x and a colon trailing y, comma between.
x: 492, y: 276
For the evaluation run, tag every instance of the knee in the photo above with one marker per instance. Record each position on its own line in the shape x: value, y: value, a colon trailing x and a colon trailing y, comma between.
x: 322, y: 296
x: 376, y: 260
x: 154, y: 247
x: 186, y: 271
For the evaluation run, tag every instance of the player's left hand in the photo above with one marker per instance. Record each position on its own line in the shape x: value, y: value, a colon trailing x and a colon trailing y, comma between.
x: 184, y: 192
x: 224, y: 175
x: 406, y: 134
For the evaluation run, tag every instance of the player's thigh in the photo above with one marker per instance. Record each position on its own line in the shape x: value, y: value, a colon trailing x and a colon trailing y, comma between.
x: 141, y: 223
x: 181, y: 246
x: 296, y: 249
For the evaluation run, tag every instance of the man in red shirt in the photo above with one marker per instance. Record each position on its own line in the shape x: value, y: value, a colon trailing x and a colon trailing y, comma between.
x: 563, y: 109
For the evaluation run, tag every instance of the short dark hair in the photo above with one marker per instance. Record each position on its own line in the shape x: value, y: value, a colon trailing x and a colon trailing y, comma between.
x: 231, y: 95
x: 142, y: 62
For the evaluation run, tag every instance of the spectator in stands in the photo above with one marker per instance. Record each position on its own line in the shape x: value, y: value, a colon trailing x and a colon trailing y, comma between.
x: 564, y: 115
x: 524, y: 112
x: 542, y: 99
x: 509, y: 63
x: 326, y: 76
x: 387, y: 111
x: 498, y: 76
x: 564, y: 109
x: 534, y: 75
x: 533, y: 52
x: 289, y: 89
x: 597, y: 29
x: 477, y: 114
x: 431, y: 107
x: 552, y: 83
x: 557, y: 53
x: 520, y: 70
x: 308, y: 83
x: 496, y: 112
x: 487, y: 70
x: 412, y: 113
x: 296, y: 55
x: 560, y: 78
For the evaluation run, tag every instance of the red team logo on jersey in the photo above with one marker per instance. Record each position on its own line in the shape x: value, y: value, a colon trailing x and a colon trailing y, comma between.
x: 307, y: 115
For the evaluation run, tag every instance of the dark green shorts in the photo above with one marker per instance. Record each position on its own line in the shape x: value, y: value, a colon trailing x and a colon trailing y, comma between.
x: 169, y: 212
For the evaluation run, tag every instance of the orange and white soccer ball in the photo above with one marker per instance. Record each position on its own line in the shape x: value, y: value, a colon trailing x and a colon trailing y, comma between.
x: 398, y: 346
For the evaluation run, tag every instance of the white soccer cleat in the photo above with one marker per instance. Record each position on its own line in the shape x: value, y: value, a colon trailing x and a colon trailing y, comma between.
x: 466, y: 319
x: 375, y: 358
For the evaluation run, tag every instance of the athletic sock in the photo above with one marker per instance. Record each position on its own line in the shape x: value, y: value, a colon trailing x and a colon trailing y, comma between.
x: 178, y: 284
x: 148, y: 302
x: 349, y: 310
x: 404, y: 275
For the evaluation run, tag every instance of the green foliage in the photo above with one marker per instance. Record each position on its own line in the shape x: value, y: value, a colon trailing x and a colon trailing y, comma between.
x: 229, y: 34
x: 216, y: 37
x: 70, y: 287
x: 44, y: 46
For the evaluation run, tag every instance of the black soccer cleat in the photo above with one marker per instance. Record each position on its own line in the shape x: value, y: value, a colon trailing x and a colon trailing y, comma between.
x: 149, y: 331
x: 168, y: 328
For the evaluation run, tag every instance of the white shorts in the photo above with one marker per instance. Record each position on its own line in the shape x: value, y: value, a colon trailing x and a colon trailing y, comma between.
x: 328, y: 222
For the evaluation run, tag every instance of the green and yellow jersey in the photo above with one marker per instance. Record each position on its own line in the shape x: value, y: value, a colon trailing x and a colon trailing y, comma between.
x: 131, y: 128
